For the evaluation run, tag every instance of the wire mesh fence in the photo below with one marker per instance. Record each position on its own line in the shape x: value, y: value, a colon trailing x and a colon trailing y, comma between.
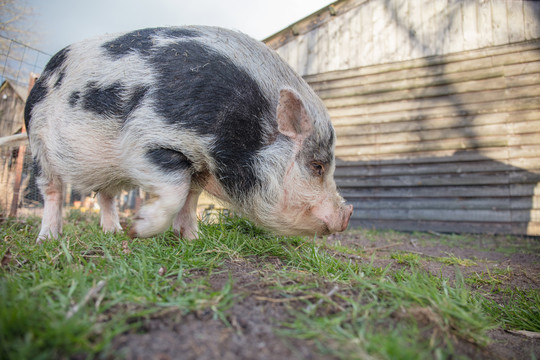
x: 18, y: 188
x: 20, y: 195
x: 18, y: 61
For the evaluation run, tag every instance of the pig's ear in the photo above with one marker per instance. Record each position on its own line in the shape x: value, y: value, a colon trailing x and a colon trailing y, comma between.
x: 292, y: 118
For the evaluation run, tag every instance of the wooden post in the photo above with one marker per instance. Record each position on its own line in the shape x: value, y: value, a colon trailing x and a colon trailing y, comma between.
x: 20, y: 161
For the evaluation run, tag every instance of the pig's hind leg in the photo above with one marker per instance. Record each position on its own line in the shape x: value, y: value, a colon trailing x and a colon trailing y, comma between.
x: 109, y: 214
x: 156, y: 215
x: 51, y: 222
x: 185, y: 223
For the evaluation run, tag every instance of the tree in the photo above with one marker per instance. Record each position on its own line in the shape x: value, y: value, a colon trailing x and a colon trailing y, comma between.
x: 12, y: 15
x: 17, y: 59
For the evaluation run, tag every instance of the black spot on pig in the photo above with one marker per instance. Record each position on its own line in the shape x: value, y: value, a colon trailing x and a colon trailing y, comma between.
x: 74, y: 98
x: 135, y: 100
x: 168, y: 160
x: 38, y: 93
x: 206, y: 92
x: 36, y: 168
x: 40, y: 89
x: 103, y: 101
x: 60, y: 79
x: 318, y: 147
x: 56, y: 62
x: 142, y: 41
x: 176, y: 33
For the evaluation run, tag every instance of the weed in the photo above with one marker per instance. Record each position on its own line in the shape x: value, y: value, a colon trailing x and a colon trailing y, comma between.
x: 521, y: 311
x: 452, y: 259
x: 406, y: 258
x: 493, y: 278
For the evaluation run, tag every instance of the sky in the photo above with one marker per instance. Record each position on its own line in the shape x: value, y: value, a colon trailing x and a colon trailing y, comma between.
x: 58, y: 23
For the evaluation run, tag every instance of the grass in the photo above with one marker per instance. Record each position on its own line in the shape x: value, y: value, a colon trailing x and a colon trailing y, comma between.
x: 519, y: 311
x: 348, y: 308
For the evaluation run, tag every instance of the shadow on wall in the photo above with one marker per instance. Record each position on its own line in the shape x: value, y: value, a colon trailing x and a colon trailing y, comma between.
x: 457, y: 126
x: 465, y: 192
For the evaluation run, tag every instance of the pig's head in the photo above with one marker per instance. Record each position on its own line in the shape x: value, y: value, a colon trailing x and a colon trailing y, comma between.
x: 304, y: 199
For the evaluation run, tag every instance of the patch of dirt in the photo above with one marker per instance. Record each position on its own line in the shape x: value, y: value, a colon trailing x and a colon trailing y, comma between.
x: 519, y: 268
x: 510, y: 262
x: 257, y: 313
x: 252, y: 334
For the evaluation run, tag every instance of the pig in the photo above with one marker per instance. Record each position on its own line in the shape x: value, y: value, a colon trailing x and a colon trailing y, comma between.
x: 179, y: 110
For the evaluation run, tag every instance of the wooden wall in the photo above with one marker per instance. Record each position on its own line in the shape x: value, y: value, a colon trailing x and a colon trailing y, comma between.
x: 355, y: 33
x: 436, y: 105
x: 445, y: 143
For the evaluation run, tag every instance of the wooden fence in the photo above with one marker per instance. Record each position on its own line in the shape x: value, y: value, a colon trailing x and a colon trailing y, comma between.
x: 444, y: 143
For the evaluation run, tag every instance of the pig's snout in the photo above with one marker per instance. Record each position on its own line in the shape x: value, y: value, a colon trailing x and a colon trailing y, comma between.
x: 335, y: 218
x: 346, y: 216
x: 342, y: 219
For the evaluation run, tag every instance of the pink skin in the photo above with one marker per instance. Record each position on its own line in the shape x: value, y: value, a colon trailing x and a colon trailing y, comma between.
x: 336, y: 220
x: 51, y: 225
x: 316, y: 209
x: 320, y: 213
x: 314, y: 204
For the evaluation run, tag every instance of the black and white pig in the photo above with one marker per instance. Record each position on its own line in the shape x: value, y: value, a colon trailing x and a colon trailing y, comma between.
x: 178, y: 110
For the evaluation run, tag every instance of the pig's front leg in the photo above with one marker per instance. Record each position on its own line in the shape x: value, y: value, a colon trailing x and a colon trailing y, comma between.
x: 51, y: 223
x: 109, y: 214
x: 157, y: 215
x: 185, y: 223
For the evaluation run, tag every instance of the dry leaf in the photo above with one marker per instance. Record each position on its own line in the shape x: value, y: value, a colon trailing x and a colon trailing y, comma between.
x: 6, y: 259
x: 125, y: 247
x: 162, y: 271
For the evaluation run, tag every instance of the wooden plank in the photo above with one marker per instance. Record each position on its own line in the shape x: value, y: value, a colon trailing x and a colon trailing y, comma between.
x: 313, y: 21
x: 443, y: 88
x: 350, y: 106
x: 442, y: 226
x: 448, y: 179
x: 467, y: 135
x: 490, y: 101
x: 531, y: 9
x: 367, y: 48
x: 516, y: 29
x: 387, y: 82
x: 475, y: 109
x: 484, y: 23
x: 475, y: 59
x: 518, y: 190
x: 378, y: 16
x: 403, y: 37
x: 425, y: 146
x: 477, y: 215
x: 504, y: 203
x: 437, y: 124
x: 457, y: 167
x: 499, y: 23
x: 427, y: 157
x: 429, y: 180
x: 518, y: 134
x: 471, y: 35
x: 390, y: 84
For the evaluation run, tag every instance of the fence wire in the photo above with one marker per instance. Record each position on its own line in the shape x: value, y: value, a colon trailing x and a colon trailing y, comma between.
x: 18, y: 61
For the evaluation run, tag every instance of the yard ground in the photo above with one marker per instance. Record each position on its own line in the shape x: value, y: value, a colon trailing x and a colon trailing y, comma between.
x: 241, y: 293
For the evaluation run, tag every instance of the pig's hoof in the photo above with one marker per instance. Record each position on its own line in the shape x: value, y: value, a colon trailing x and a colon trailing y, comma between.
x: 185, y: 233
x: 132, y: 233
x: 113, y: 229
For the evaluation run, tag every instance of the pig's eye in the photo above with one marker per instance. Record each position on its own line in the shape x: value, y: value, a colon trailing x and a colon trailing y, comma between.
x: 317, y: 168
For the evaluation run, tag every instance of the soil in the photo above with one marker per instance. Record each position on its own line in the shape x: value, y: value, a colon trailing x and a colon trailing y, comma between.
x: 255, y: 319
